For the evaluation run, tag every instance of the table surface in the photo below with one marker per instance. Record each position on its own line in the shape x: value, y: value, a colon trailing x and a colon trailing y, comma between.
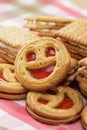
x: 13, y: 114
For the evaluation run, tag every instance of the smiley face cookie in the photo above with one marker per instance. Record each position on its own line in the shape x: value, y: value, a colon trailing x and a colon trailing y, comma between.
x: 10, y: 88
x: 41, y: 64
x: 62, y: 106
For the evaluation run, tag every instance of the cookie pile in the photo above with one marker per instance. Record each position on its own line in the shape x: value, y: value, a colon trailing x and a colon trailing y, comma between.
x: 46, y: 25
x: 41, y: 63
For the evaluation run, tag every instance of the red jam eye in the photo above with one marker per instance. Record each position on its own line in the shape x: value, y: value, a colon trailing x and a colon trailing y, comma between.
x: 2, y: 77
x: 67, y: 103
x: 31, y: 56
x: 50, y: 52
x: 42, y: 101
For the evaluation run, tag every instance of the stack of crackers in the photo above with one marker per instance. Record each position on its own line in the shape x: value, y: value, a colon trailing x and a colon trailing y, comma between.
x: 72, y: 33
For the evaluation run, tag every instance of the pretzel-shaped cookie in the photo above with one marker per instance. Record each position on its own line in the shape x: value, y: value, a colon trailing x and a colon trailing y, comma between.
x: 8, y: 82
x: 42, y: 63
x: 53, y: 109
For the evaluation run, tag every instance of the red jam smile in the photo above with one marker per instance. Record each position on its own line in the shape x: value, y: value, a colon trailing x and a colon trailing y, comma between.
x: 67, y: 103
x: 31, y: 57
x: 50, y: 52
x: 2, y: 77
x: 42, y: 73
x: 43, y: 101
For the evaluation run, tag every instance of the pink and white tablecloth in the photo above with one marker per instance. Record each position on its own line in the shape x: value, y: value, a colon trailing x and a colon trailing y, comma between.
x: 13, y: 114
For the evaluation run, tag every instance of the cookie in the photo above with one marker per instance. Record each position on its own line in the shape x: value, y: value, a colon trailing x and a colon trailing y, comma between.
x: 82, y: 76
x: 75, y: 36
x: 12, y: 39
x: 9, y: 86
x: 46, y: 25
x: 83, y: 62
x: 2, y: 60
x: 76, y: 56
x: 72, y: 72
x: 62, y: 107
x: 84, y: 118
x: 42, y: 64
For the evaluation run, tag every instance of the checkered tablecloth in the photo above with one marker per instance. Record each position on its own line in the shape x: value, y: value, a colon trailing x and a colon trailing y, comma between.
x: 13, y: 114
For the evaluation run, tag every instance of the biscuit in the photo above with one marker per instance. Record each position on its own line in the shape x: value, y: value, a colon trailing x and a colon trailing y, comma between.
x: 46, y: 25
x: 83, y: 88
x: 42, y: 63
x: 51, y: 109
x: 12, y: 96
x: 75, y: 36
x: 81, y: 76
x: 76, y: 56
x: 12, y: 39
x: 2, y: 60
x: 7, y: 58
x: 71, y: 75
x: 83, y: 62
x: 9, y: 86
x: 84, y: 118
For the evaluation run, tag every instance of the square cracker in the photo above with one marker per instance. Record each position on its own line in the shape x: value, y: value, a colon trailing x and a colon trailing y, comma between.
x: 16, y: 37
x: 75, y: 32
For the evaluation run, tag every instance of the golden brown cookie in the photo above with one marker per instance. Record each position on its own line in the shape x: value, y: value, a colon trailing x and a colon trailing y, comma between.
x: 12, y: 39
x: 81, y: 76
x: 10, y: 88
x: 84, y: 118
x: 2, y: 60
x: 75, y: 36
x: 64, y: 106
x: 46, y: 25
x: 71, y: 75
x: 42, y: 63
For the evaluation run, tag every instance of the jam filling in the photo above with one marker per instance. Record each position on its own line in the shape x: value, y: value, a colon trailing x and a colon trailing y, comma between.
x: 2, y: 77
x: 31, y: 57
x: 50, y: 52
x: 42, y: 73
x: 42, y: 101
x: 67, y: 103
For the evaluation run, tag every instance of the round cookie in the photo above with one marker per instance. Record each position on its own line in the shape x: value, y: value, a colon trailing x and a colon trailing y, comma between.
x: 41, y: 64
x: 10, y: 88
x: 63, y: 107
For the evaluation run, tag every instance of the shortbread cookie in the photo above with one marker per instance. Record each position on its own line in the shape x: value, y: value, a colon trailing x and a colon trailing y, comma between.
x: 63, y: 107
x: 2, y: 60
x: 42, y: 63
x: 82, y: 76
x: 9, y: 86
x: 75, y: 36
x: 83, y: 88
x: 46, y: 25
x: 71, y: 75
x: 83, y: 62
x: 76, y: 56
x: 84, y: 118
x: 12, y: 96
x: 9, y: 59
x: 12, y: 39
